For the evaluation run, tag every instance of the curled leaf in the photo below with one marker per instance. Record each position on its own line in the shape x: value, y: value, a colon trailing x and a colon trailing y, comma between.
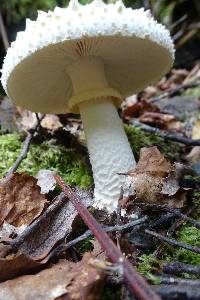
x: 20, y: 200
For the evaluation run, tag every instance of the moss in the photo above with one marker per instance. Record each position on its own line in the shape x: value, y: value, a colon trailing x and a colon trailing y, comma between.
x: 195, y: 92
x: 67, y: 162
x: 138, y: 138
x: 196, y: 203
x: 85, y: 246
x: 148, y: 264
x: 188, y: 235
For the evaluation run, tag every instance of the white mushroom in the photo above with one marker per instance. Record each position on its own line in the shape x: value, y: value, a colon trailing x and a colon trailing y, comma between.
x: 85, y: 59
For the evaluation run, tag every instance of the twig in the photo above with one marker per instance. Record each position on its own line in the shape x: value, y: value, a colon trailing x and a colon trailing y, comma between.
x: 136, y: 282
x: 175, y: 291
x: 172, y: 242
x: 178, y: 22
x: 173, y: 213
x: 3, y: 33
x: 117, y: 228
x: 119, y: 215
x: 188, y: 219
x: 178, y: 268
x: 166, y: 135
x: 166, y: 279
x: 174, y: 91
x: 163, y: 220
x: 24, y: 150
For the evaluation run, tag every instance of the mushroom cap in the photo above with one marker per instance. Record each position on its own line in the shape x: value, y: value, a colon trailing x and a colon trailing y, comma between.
x: 135, y: 49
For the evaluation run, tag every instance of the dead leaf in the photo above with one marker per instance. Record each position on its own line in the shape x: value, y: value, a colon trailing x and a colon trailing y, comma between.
x: 37, y: 240
x: 46, y: 181
x: 13, y: 266
x: 170, y: 185
x: 194, y: 156
x: 78, y: 281
x: 154, y: 180
x: 153, y: 162
x: 149, y: 92
x: 160, y: 120
x: 53, y: 226
x: 20, y: 200
x: 196, y: 130
x: 177, y: 77
x: 51, y: 122
x: 139, y: 108
x: 9, y: 231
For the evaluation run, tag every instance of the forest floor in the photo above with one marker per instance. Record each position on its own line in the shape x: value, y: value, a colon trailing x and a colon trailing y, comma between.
x: 44, y: 250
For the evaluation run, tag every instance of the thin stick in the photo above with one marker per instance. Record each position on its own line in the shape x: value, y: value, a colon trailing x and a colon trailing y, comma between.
x: 178, y: 267
x: 173, y: 212
x: 175, y: 90
x: 24, y: 150
x: 174, y: 280
x: 136, y: 282
x: 166, y: 135
x: 3, y: 33
x: 117, y: 228
x: 172, y: 242
x: 188, y: 219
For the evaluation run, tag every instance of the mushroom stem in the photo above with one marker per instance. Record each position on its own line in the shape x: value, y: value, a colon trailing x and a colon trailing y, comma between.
x: 109, y: 150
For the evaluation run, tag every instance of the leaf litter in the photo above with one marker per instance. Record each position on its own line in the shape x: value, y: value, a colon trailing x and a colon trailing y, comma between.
x: 154, y: 180
x: 25, y: 251
x: 28, y: 236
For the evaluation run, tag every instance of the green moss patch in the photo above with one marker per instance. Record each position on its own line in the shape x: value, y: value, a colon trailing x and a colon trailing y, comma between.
x: 47, y: 155
x: 138, y: 138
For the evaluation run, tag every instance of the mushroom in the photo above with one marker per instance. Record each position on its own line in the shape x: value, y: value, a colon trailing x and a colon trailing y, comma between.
x: 85, y: 59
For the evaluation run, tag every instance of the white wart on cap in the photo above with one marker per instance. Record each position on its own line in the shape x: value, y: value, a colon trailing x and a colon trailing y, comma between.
x: 86, y: 59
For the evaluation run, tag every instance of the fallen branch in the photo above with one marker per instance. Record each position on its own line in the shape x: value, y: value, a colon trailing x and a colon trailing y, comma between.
x: 25, y: 148
x: 166, y: 135
x: 136, y: 282
x: 172, y: 242
x: 173, y: 212
x: 117, y: 228
x: 175, y: 291
x: 177, y: 89
x: 188, y: 219
x: 166, y: 279
x: 178, y: 268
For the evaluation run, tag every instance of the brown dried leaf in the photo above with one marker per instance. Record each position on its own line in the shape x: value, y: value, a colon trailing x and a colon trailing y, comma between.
x: 154, y: 180
x: 160, y: 120
x: 75, y: 280
x: 177, y: 76
x: 20, y: 200
x: 139, y: 108
x: 8, y: 231
x: 152, y: 162
x: 194, y: 156
x: 13, y: 266
x: 51, y: 227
